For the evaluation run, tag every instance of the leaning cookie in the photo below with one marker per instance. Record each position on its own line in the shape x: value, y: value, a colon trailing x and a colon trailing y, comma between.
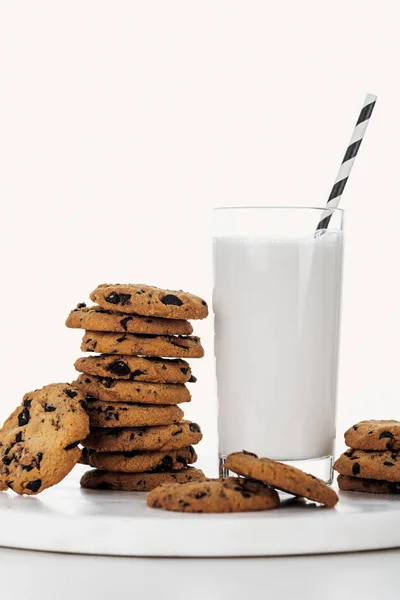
x: 139, y: 462
x: 230, y: 494
x: 128, y: 439
x: 369, y: 486
x: 114, y: 390
x: 39, y: 441
x: 96, y: 318
x: 369, y: 465
x: 137, y: 482
x: 374, y: 435
x: 281, y: 476
x: 149, y: 300
x: 136, y: 368
x: 170, y: 346
x: 127, y: 414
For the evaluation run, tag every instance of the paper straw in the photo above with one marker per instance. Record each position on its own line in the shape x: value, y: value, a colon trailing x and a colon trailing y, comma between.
x: 348, y: 160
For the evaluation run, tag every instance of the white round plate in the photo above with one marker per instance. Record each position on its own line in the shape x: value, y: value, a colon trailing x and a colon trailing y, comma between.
x: 66, y: 518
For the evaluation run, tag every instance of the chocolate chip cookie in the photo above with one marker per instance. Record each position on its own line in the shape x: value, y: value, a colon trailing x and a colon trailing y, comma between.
x: 124, y: 414
x: 141, y: 344
x: 38, y: 442
x: 281, y: 476
x: 137, y: 482
x: 114, y: 390
x: 136, y: 368
x: 369, y: 465
x: 167, y: 437
x: 230, y: 494
x: 369, y: 486
x: 150, y: 301
x: 139, y: 462
x: 374, y: 435
x: 96, y: 318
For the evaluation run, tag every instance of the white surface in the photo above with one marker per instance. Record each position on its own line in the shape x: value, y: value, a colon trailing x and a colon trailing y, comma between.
x: 276, y: 304
x: 123, y: 123
x: 66, y: 518
x: 44, y: 576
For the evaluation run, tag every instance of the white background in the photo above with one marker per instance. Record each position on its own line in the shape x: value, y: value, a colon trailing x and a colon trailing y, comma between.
x: 123, y: 123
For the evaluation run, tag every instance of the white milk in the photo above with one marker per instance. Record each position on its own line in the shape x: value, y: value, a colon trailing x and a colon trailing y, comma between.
x: 277, y: 305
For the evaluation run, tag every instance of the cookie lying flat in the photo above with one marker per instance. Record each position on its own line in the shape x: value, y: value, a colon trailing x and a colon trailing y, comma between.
x: 114, y: 390
x: 281, y: 476
x: 137, y: 482
x: 374, y: 435
x: 230, y: 494
x: 139, y: 462
x: 369, y: 486
x: 96, y: 318
x: 369, y: 465
x: 136, y: 368
x: 149, y: 300
x: 125, y: 414
x: 146, y: 345
x: 38, y: 442
x: 167, y: 437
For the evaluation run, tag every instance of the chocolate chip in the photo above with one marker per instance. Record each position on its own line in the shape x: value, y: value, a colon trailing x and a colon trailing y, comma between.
x: 388, y: 464
x: 124, y: 322
x: 349, y: 453
x: 200, y: 495
x: 171, y: 299
x: 184, y: 370
x: 34, y: 485
x: 49, y: 408
x: 246, y: 494
x: 356, y: 469
x: 81, y: 305
x: 18, y: 437
x: 87, y: 380
x: 166, y: 464
x: 194, y: 427
x: 6, y: 460
x: 137, y: 373
x: 39, y: 457
x: 386, y: 434
x: 71, y: 393
x: 73, y: 445
x: 192, y: 379
x: 204, y: 303
x: 120, y: 339
x: 27, y: 468
x: 115, y: 298
x: 84, y: 404
x: 27, y: 402
x: 23, y: 417
x: 107, y: 382
x: 191, y: 450
x: 355, y: 427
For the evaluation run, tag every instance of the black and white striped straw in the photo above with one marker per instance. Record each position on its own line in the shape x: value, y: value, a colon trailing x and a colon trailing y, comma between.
x: 348, y: 160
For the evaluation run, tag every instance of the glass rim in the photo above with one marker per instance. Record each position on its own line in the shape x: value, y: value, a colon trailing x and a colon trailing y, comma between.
x: 319, y: 208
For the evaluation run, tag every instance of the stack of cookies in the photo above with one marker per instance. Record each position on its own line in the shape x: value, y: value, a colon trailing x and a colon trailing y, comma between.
x: 135, y: 387
x: 372, y: 461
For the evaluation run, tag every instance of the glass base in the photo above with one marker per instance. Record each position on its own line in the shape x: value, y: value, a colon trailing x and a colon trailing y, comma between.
x: 321, y: 467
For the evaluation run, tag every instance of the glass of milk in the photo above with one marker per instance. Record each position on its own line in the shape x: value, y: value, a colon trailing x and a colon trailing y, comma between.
x: 277, y: 290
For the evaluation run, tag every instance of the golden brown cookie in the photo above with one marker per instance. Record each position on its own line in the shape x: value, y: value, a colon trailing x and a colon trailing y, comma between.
x: 148, y: 300
x: 124, y: 414
x: 38, y: 442
x: 230, y: 494
x: 95, y: 318
x: 136, y: 368
x: 369, y: 465
x: 369, y: 486
x: 281, y: 476
x: 140, y: 344
x: 167, y: 437
x: 137, y: 482
x: 374, y: 435
x: 114, y: 390
x: 139, y: 462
